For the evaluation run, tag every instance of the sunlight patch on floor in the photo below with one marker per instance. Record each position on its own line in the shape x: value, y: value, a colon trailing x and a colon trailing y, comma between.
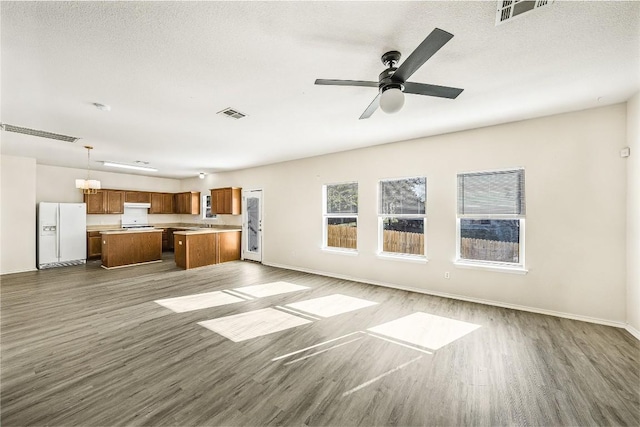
x: 379, y: 377
x: 331, y: 305
x: 269, y: 289
x: 425, y: 330
x: 244, y: 326
x: 198, y: 301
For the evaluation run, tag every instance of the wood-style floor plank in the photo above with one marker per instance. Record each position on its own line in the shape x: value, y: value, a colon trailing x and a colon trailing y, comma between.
x: 85, y: 346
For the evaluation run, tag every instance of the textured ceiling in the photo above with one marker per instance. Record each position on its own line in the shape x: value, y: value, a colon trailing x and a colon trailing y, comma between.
x: 167, y: 68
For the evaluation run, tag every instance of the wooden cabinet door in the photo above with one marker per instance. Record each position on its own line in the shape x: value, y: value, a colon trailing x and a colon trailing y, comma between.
x: 226, y: 201
x: 216, y: 203
x: 188, y: 203
x: 156, y: 203
x: 115, y: 202
x: 94, y: 244
x: 181, y: 200
x: 96, y: 203
x: 137, y: 197
x: 228, y: 246
x: 167, y: 203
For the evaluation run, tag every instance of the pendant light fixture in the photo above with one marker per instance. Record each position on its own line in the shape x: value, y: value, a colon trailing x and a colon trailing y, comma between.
x: 88, y: 186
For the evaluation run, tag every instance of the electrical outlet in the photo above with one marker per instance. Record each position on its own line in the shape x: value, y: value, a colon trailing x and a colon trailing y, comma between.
x: 447, y: 275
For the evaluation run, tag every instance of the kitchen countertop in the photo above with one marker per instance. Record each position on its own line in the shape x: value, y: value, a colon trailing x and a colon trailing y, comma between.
x: 184, y: 226
x: 205, y: 231
x: 132, y: 230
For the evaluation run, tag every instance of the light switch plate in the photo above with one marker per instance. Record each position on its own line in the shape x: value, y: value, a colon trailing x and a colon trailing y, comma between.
x: 625, y: 152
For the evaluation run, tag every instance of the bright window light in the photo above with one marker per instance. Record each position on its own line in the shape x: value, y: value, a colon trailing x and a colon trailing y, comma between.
x: 425, y: 330
x: 269, y: 289
x: 245, y: 326
x: 198, y: 301
x: 331, y: 305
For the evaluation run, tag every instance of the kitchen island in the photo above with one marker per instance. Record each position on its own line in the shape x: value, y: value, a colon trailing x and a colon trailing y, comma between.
x: 129, y: 247
x: 207, y: 246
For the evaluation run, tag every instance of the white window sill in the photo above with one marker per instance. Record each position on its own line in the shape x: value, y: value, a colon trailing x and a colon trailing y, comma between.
x: 491, y: 267
x: 340, y: 251
x: 420, y: 259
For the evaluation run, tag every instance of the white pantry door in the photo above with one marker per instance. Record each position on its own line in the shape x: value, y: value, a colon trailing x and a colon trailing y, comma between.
x: 252, y: 225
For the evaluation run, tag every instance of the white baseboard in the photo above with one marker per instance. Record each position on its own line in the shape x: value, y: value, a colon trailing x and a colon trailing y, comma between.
x: 633, y: 331
x: 581, y: 318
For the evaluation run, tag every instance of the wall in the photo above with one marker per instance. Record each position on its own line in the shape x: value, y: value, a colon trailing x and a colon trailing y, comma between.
x: 18, y: 214
x: 575, y: 224
x: 57, y: 184
x: 633, y: 216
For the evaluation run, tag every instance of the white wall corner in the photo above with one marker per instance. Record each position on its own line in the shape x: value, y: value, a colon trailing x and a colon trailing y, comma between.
x: 633, y: 216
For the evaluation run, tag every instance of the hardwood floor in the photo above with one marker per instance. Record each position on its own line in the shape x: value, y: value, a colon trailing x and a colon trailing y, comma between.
x: 85, y: 346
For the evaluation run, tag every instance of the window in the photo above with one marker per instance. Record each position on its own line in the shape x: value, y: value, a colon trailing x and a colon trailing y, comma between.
x: 491, y: 211
x: 402, y: 216
x: 206, y: 208
x: 341, y: 215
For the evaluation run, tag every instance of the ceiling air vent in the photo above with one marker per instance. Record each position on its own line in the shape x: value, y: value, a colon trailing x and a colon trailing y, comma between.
x: 509, y: 9
x: 40, y: 133
x: 230, y: 112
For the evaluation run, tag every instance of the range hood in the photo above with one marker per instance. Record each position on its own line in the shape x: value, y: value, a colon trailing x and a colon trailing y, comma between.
x: 137, y: 205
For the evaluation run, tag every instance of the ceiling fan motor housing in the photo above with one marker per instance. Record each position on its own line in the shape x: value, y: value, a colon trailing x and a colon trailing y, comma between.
x: 385, y: 82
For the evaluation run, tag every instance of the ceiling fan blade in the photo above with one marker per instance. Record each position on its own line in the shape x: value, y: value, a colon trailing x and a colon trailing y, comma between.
x: 371, y: 108
x: 346, y: 83
x: 432, y: 90
x: 434, y: 41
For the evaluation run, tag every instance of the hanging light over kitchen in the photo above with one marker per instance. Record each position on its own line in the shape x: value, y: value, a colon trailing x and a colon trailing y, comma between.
x: 88, y: 186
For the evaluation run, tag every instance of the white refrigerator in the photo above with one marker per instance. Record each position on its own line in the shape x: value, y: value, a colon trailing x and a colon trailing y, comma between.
x: 62, y: 234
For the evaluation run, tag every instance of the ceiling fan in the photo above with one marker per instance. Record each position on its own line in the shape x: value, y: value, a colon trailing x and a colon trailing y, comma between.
x: 392, y: 82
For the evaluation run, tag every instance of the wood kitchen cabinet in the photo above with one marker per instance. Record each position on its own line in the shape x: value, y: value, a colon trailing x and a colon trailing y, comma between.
x: 94, y: 244
x: 161, y: 203
x: 199, y: 248
x: 187, y: 203
x: 137, y: 197
x: 105, y: 202
x: 226, y: 201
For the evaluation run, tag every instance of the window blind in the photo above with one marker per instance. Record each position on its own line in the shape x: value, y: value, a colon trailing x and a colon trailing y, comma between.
x: 403, y: 196
x: 491, y: 193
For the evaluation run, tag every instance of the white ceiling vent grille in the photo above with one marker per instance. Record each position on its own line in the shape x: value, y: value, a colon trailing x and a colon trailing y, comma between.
x: 509, y: 9
x: 40, y: 133
x: 230, y: 112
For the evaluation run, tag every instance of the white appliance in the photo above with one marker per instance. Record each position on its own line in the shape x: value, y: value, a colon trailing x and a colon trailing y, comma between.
x: 62, y: 234
x: 135, y: 215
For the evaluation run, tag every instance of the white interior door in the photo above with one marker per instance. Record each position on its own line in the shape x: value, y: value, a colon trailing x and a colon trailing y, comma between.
x: 252, y: 225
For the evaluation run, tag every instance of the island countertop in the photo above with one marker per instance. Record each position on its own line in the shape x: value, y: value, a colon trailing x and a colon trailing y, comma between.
x: 132, y: 230
x: 206, y: 231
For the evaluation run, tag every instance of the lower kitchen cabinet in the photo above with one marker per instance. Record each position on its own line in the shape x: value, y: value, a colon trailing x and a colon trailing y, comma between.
x: 199, y: 248
x: 121, y: 248
x: 94, y: 244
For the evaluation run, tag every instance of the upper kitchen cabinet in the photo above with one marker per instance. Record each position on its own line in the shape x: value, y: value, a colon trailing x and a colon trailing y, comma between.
x: 187, y: 203
x: 226, y: 201
x: 161, y: 203
x: 105, y: 202
x: 137, y: 197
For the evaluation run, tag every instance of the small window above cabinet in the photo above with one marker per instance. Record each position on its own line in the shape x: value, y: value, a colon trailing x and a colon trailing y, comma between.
x: 226, y: 201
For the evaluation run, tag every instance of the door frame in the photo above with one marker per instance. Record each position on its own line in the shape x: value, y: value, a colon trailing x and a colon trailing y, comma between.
x: 245, y: 223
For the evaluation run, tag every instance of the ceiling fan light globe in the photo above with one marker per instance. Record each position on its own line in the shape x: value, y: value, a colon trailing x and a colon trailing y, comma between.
x: 391, y: 100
